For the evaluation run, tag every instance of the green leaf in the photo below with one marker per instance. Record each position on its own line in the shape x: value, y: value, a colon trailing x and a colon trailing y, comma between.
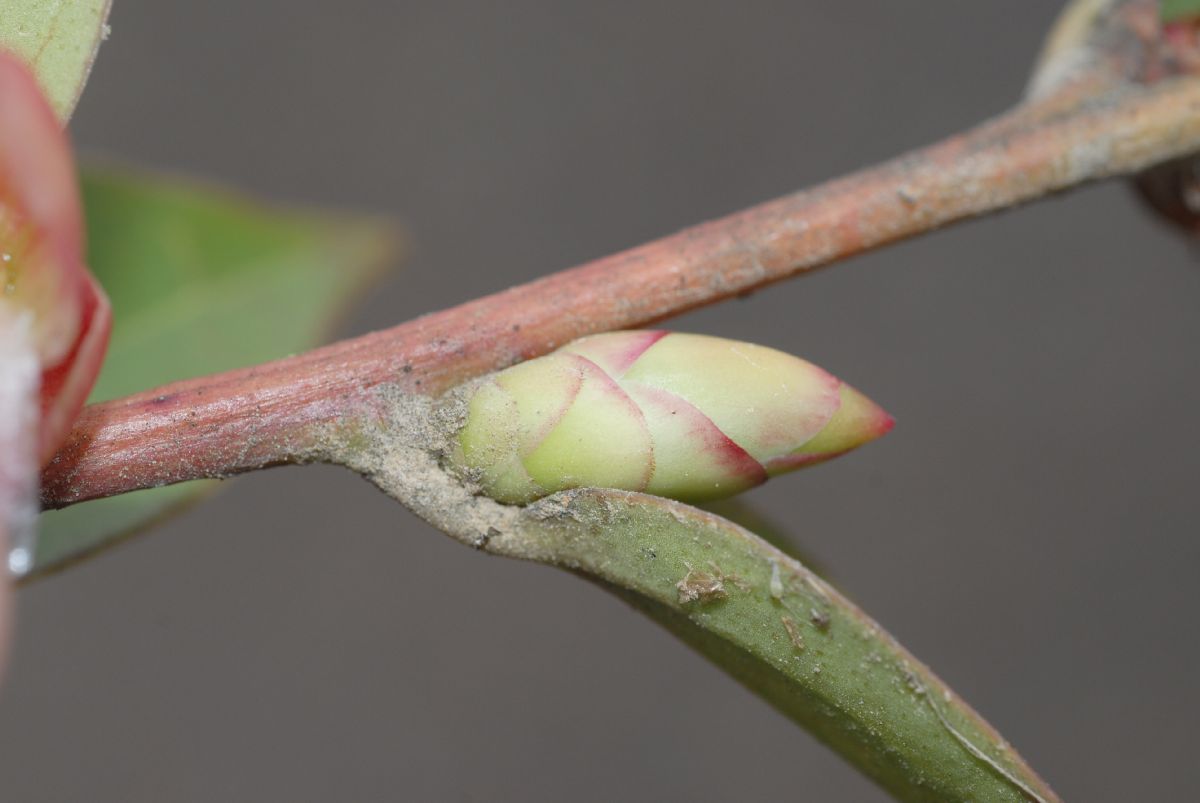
x: 201, y: 280
x: 744, y: 604
x: 1179, y: 9
x: 58, y: 40
x: 785, y: 634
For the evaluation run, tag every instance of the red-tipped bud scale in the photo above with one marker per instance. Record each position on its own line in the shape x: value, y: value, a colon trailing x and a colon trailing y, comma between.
x: 690, y: 417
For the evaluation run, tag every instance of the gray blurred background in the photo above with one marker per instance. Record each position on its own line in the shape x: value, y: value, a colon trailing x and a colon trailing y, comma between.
x: 1028, y: 529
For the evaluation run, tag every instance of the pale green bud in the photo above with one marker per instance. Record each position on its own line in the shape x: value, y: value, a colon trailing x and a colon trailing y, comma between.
x: 689, y: 417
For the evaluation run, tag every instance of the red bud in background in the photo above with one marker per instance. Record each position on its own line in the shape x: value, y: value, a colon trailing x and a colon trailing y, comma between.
x: 54, y: 318
x: 41, y: 254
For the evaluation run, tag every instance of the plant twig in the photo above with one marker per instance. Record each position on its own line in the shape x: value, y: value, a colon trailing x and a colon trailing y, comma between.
x: 304, y: 408
x: 367, y: 403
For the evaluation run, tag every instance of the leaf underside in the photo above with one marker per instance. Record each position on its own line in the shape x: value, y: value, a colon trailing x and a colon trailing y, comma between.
x: 58, y: 40
x: 786, y: 635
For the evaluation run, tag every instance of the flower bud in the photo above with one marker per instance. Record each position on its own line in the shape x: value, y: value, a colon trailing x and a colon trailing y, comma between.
x: 689, y: 417
x: 54, y: 318
x: 43, y: 280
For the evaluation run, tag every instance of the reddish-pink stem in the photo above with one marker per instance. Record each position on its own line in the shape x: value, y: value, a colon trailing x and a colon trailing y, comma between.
x: 284, y: 411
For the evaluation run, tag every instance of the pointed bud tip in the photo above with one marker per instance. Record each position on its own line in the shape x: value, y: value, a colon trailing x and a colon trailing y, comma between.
x: 862, y: 415
x: 858, y: 421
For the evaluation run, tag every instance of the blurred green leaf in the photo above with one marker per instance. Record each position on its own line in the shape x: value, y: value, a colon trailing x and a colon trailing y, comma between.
x: 58, y: 40
x: 201, y: 280
x: 1178, y: 9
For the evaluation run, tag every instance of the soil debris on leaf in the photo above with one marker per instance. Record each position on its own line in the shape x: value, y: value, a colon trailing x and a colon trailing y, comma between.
x: 701, y: 586
x: 793, y: 631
